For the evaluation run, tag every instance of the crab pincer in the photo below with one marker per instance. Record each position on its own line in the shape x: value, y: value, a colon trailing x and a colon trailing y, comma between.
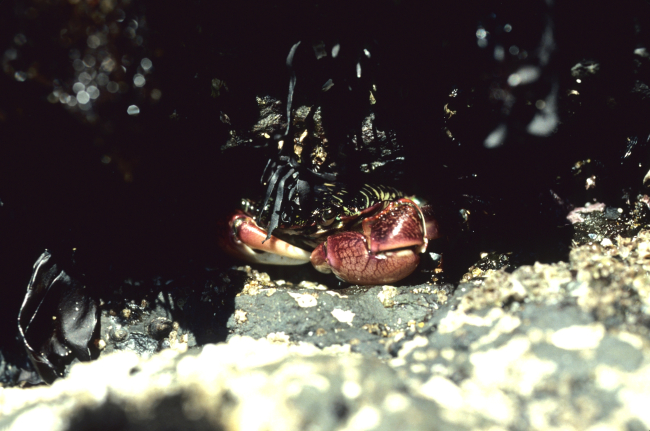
x: 244, y: 239
x: 386, y: 249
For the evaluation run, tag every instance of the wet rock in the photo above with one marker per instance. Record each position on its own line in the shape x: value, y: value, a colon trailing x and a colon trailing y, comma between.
x: 8, y: 372
x: 511, y: 347
x: 160, y: 327
x: 348, y: 317
x: 544, y: 344
x: 138, y: 343
x: 567, y: 341
x: 596, y: 222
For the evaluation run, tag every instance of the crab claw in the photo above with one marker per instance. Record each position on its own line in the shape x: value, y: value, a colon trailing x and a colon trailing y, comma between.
x: 244, y: 239
x: 386, y: 250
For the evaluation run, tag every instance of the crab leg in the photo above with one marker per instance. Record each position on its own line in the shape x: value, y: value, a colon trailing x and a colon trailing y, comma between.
x: 244, y: 239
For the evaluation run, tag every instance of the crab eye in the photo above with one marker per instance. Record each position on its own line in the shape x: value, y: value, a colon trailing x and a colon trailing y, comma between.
x: 327, y: 217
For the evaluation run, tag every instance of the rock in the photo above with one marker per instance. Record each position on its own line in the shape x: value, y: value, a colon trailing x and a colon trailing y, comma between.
x: 242, y: 384
x: 546, y: 345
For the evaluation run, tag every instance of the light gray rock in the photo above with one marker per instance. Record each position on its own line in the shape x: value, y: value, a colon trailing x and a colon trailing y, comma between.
x: 560, y: 346
x: 244, y: 384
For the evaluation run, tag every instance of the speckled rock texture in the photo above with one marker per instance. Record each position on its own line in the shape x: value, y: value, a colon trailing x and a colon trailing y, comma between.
x: 560, y: 346
x: 242, y: 385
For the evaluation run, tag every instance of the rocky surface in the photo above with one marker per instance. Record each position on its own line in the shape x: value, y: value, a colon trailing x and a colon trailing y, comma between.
x: 547, y: 346
x: 559, y: 345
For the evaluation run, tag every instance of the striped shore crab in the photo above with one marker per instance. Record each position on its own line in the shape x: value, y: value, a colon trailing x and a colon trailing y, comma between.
x: 372, y: 236
x: 322, y: 202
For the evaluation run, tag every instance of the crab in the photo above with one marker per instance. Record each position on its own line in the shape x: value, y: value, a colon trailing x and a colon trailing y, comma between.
x: 375, y: 237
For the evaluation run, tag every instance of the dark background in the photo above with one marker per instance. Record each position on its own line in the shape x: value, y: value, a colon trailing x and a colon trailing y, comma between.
x: 154, y: 206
